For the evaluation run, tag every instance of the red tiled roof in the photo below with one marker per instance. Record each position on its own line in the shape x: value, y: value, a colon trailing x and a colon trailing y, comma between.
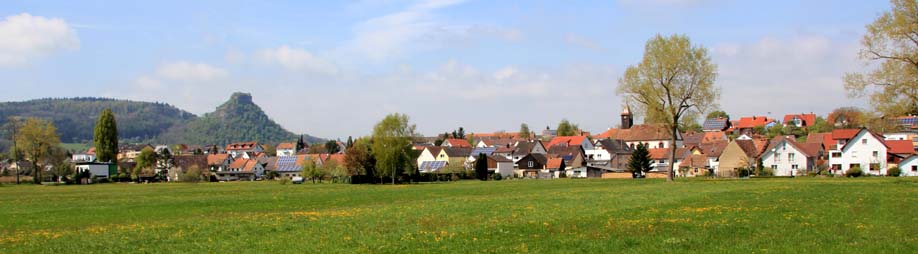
x: 455, y: 142
x: 844, y: 133
x: 808, y: 119
x: 91, y: 151
x: 641, y: 132
x: 216, y: 159
x: 339, y: 158
x: 554, y: 163
x: 241, y: 146
x: 569, y: 140
x: 664, y: 153
x: 240, y: 163
x: 286, y: 146
x: 900, y: 146
x: 752, y: 122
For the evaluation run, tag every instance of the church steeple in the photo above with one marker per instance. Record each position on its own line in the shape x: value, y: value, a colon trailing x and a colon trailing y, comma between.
x: 627, y: 119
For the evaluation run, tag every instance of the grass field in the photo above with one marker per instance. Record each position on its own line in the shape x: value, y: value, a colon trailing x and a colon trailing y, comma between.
x: 872, y: 215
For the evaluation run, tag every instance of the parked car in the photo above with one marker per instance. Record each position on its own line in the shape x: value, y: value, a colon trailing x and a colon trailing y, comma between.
x: 298, y: 180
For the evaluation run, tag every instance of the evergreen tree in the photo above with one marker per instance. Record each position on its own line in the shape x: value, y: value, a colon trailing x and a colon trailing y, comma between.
x: 481, y: 167
x: 640, y: 161
x: 105, y: 137
x: 350, y: 142
x: 300, y: 144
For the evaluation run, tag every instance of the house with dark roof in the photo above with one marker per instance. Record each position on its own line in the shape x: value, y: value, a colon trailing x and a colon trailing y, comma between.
x: 181, y: 164
x: 531, y: 165
x: 524, y: 148
x: 786, y: 157
x: 610, y: 155
x: 715, y: 124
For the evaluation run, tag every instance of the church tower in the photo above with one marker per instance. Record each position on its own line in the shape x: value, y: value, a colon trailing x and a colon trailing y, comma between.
x: 627, y: 119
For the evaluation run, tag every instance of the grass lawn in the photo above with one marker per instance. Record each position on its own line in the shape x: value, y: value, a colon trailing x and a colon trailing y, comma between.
x: 868, y: 215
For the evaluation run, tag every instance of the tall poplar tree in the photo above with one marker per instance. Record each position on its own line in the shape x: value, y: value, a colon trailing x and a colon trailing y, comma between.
x: 105, y: 137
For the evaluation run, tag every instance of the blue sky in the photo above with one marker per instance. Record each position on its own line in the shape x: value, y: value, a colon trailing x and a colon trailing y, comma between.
x: 334, y: 68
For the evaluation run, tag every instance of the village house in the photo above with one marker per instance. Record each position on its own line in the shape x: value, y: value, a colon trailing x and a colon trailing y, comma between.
x: 286, y: 149
x: 500, y: 165
x: 799, y: 120
x: 786, y: 157
x: 531, y: 166
x: 746, y: 125
x: 456, y: 143
x: 858, y: 148
x: 609, y: 155
x: 430, y: 153
x: 181, y: 164
x: 237, y: 149
x: 242, y: 169
x: 524, y: 148
x: 218, y: 162
x: 736, y: 155
x: 909, y: 166
x: 660, y: 158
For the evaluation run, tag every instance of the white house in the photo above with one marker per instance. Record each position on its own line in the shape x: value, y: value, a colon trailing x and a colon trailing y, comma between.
x: 430, y: 153
x: 236, y: 149
x: 286, y: 149
x: 83, y: 157
x: 789, y: 158
x: 500, y: 165
x: 97, y: 169
x: 909, y: 166
x: 858, y: 148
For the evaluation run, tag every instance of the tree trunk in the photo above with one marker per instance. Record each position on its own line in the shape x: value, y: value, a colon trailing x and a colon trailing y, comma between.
x: 672, y: 154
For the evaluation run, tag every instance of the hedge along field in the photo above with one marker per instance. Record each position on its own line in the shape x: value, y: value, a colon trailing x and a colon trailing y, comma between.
x: 869, y: 215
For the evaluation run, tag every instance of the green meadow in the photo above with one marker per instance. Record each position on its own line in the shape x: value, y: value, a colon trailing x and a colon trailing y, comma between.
x: 804, y: 215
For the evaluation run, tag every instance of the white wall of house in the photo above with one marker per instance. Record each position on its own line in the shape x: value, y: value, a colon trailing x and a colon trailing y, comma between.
x: 909, y: 166
x: 505, y: 169
x: 598, y: 154
x: 83, y: 157
x: 98, y: 170
x: 898, y: 136
x: 786, y: 160
x: 654, y: 144
x: 286, y: 152
x: 864, y: 149
x: 426, y: 156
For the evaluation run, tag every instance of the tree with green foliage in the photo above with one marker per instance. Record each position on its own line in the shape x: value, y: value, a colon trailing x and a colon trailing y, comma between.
x: 891, y: 45
x: 35, y: 139
x: 331, y: 146
x: 718, y: 114
x: 311, y: 170
x: 820, y: 126
x: 774, y: 131
x: 358, y: 158
x: 640, y: 162
x: 335, y: 170
x: 524, y: 131
x: 105, y: 137
x: 566, y: 128
x: 15, y: 155
x: 146, y: 160
x: 674, y: 79
x: 846, y: 118
x: 164, y: 162
x: 270, y: 150
x: 350, y: 142
x: 392, y: 145
x: 481, y: 167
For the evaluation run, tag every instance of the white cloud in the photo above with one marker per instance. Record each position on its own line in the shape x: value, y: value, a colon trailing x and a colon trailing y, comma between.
x: 26, y: 37
x: 185, y: 71
x: 297, y: 60
x: 785, y: 75
x: 417, y: 28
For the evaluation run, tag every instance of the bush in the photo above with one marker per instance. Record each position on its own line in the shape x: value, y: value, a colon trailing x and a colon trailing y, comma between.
x: 743, y: 172
x: 283, y: 180
x: 894, y: 171
x: 498, y: 177
x: 192, y: 175
x: 767, y: 172
x: 854, y: 172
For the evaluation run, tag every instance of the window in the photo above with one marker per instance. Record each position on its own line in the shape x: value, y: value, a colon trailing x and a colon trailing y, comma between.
x: 864, y: 141
x: 874, y: 166
x: 530, y: 164
x: 876, y: 154
x: 774, y: 166
x: 777, y: 157
x: 914, y: 168
x: 793, y: 166
x: 790, y: 157
x: 661, y: 145
x: 853, y: 154
x: 836, y: 155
